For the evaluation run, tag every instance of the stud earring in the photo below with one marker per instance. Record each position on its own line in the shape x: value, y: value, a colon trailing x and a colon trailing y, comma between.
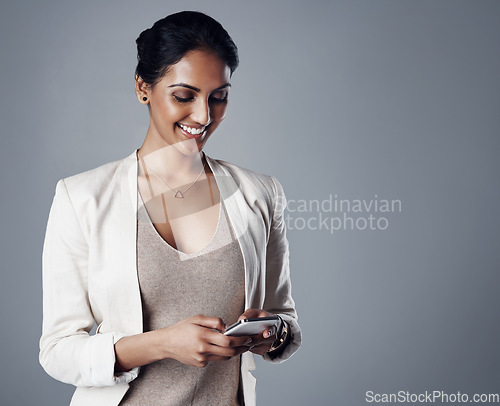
x: 144, y: 98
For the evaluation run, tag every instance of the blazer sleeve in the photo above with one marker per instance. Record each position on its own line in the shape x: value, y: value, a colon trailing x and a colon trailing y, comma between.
x: 67, y: 351
x: 278, y: 297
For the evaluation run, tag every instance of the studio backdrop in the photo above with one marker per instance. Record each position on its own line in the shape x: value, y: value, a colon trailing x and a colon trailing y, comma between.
x: 381, y: 121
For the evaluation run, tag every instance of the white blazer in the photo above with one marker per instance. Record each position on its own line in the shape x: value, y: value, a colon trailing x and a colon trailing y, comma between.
x: 90, y: 272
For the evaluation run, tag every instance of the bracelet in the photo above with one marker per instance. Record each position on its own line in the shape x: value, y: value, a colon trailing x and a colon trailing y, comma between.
x: 282, y: 337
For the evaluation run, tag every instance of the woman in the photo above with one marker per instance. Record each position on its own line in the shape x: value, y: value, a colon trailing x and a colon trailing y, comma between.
x: 162, y: 248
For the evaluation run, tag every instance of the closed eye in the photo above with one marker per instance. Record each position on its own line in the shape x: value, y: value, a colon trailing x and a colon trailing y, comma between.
x: 219, y: 99
x: 183, y: 99
x: 219, y: 96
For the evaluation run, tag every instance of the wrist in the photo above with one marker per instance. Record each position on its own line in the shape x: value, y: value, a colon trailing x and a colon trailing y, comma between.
x: 159, y: 341
x: 120, y: 369
x: 137, y: 350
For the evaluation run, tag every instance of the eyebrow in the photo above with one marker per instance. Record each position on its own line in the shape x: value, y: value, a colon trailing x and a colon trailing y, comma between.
x: 198, y: 90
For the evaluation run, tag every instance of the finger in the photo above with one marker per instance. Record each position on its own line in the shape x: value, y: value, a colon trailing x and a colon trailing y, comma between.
x: 253, y: 314
x: 236, y: 351
x: 260, y: 349
x: 242, y: 349
x: 215, y: 323
x: 271, y: 331
x: 259, y: 339
x: 222, y: 340
x: 212, y: 351
x: 249, y: 314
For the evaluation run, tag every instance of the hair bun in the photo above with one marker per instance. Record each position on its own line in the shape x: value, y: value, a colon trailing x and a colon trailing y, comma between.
x: 172, y: 37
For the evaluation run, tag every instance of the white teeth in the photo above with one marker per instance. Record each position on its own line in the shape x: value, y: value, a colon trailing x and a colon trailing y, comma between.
x: 193, y: 131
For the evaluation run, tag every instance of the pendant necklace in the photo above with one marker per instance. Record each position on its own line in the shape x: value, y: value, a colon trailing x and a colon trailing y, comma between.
x: 178, y: 194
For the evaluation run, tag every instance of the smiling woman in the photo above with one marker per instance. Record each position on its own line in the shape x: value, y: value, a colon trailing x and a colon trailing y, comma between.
x: 162, y: 248
x: 188, y: 103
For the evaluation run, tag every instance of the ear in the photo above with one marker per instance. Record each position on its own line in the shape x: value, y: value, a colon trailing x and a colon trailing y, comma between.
x: 142, y: 89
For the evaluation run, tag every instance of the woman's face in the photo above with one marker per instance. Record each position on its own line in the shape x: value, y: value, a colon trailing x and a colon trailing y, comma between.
x: 189, y: 102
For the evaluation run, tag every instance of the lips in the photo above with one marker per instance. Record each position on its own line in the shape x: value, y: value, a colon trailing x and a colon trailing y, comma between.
x: 191, y: 132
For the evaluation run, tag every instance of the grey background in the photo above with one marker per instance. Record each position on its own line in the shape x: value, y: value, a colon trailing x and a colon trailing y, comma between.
x: 355, y: 98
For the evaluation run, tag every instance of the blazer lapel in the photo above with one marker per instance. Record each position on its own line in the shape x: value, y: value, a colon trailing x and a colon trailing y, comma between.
x: 126, y: 294
x: 235, y: 204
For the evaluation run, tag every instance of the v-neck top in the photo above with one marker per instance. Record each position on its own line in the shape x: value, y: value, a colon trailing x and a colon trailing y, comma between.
x: 175, y: 285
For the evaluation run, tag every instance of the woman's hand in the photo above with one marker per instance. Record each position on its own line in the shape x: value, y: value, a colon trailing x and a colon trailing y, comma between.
x: 261, y: 343
x: 195, y: 341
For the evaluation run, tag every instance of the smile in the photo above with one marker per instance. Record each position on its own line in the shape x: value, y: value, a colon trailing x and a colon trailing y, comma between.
x: 191, y: 130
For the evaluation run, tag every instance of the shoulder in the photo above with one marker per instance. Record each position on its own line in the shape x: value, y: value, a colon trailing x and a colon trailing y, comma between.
x: 96, y: 181
x: 248, y: 177
x: 254, y: 185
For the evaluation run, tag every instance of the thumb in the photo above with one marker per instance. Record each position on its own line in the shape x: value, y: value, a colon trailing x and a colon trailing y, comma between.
x: 270, y: 331
x: 215, y: 323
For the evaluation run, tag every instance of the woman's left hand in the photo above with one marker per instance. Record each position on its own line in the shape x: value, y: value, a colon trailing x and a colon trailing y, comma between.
x: 261, y: 343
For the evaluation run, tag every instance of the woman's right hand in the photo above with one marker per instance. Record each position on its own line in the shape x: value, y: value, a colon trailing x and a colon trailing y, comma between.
x: 198, y: 340
x: 194, y: 341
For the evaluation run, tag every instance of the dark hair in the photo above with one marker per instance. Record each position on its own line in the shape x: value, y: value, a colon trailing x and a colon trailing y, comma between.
x: 172, y: 37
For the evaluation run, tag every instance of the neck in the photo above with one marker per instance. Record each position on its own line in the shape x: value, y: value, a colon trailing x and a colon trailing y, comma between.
x: 170, y: 161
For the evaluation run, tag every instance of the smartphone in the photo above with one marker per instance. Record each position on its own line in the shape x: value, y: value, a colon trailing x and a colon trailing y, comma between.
x: 250, y: 327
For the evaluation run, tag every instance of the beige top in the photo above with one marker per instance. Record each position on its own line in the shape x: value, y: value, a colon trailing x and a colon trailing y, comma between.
x: 174, y: 286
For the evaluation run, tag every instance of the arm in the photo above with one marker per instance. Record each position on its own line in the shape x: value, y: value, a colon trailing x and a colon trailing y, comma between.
x: 193, y: 341
x: 67, y: 351
x: 278, y: 298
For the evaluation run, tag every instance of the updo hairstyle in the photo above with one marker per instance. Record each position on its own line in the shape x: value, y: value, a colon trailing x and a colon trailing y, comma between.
x: 172, y: 37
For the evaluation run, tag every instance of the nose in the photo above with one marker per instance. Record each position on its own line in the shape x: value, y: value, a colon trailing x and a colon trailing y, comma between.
x: 201, y: 112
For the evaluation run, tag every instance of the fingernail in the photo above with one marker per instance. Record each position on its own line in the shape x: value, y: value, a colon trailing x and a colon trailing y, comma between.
x: 267, y: 334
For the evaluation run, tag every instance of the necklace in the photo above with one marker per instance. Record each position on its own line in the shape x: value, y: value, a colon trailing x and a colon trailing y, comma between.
x: 177, y: 193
